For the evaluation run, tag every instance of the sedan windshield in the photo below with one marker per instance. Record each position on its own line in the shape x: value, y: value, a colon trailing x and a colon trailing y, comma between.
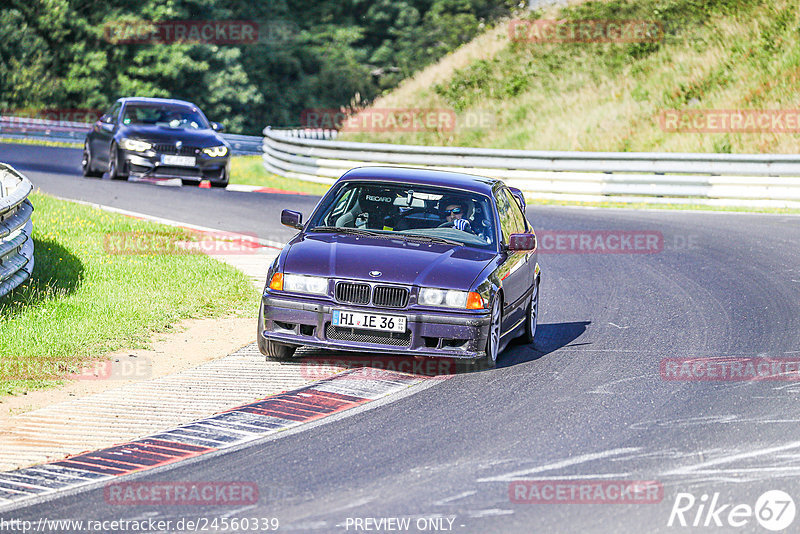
x: 414, y: 212
x: 177, y: 117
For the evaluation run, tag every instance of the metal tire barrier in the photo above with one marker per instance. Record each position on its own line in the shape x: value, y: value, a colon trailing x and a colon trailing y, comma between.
x: 748, y: 180
x: 16, y: 229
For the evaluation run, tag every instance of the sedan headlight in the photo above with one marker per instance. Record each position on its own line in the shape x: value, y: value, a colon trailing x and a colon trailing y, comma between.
x: 135, y: 145
x: 450, y: 298
x: 216, y: 151
x: 315, y: 285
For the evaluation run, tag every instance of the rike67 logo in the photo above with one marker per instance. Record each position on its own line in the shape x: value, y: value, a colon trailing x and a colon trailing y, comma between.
x: 774, y: 510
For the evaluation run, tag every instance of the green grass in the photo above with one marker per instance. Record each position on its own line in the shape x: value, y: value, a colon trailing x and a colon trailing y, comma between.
x: 39, y: 142
x: 249, y: 170
x: 84, y: 300
x: 715, y: 54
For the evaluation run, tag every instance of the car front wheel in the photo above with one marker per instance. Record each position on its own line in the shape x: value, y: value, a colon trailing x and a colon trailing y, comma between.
x: 222, y: 182
x: 533, y: 314
x: 493, y: 339
x: 271, y: 349
x: 114, y: 168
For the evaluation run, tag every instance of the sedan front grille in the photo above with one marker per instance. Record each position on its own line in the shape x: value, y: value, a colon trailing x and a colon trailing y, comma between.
x: 172, y: 150
x: 368, y: 336
x: 390, y: 296
x: 352, y: 293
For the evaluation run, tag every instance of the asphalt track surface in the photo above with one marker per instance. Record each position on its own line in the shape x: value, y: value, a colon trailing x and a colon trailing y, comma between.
x: 587, y: 402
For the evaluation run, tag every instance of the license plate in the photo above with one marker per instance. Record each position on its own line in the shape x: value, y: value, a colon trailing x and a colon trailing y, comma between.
x: 370, y: 321
x: 183, y: 161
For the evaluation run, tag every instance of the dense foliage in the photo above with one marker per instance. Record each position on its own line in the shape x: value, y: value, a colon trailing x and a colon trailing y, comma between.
x: 56, y: 54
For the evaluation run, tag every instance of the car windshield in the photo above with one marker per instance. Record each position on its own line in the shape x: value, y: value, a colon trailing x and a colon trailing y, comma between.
x: 412, y: 211
x: 176, y: 117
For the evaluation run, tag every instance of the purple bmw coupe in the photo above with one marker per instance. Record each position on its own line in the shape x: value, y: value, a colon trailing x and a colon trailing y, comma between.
x: 405, y: 261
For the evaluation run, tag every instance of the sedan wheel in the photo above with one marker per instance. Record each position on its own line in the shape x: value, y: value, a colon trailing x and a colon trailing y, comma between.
x: 493, y: 340
x: 533, y: 314
x: 113, y: 165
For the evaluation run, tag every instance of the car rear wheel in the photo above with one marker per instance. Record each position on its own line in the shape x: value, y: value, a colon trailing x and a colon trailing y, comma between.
x: 533, y: 314
x: 493, y: 339
x: 87, y: 163
x: 114, y: 169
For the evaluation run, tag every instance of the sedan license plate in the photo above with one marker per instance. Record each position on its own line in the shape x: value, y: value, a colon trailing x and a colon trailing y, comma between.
x: 183, y: 161
x: 370, y: 321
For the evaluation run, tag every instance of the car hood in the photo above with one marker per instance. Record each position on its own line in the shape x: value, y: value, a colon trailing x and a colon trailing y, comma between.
x: 159, y: 134
x: 399, y: 261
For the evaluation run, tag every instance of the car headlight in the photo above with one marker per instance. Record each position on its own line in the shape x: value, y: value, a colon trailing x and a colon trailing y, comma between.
x: 216, y: 151
x: 450, y: 298
x: 315, y: 285
x: 135, y: 145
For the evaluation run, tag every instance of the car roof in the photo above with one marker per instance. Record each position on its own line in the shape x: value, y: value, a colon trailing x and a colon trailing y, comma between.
x: 144, y: 100
x: 468, y: 182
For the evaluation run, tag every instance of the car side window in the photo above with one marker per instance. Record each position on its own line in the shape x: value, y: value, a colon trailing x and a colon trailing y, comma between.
x: 113, y: 113
x: 516, y: 213
x: 504, y: 211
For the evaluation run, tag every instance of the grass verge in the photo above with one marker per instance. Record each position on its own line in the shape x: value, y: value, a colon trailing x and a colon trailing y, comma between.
x: 84, y: 300
x: 714, y: 55
x: 39, y: 142
x: 249, y: 170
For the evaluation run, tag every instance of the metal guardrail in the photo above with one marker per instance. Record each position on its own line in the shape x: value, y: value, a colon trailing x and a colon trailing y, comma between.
x: 750, y: 180
x: 16, y: 229
x: 75, y: 132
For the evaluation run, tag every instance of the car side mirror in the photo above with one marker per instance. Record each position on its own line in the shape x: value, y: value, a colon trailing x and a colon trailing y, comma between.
x: 292, y: 219
x: 522, y: 242
x: 217, y: 127
x: 519, y: 196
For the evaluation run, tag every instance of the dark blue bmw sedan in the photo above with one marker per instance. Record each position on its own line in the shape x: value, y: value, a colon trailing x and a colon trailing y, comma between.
x: 157, y: 138
x: 405, y: 261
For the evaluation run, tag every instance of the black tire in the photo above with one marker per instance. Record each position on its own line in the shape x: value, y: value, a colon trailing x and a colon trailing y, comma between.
x: 114, y: 172
x: 270, y: 349
x: 532, y: 318
x: 278, y: 351
x: 222, y: 182
x: 87, y: 163
x: 493, y: 337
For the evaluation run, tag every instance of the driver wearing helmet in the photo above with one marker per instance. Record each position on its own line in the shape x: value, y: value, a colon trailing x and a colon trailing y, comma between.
x: 454, y: 210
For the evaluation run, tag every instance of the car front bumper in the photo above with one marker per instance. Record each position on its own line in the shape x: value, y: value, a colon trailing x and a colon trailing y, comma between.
x: 149, y: 165
x: 439, y: 334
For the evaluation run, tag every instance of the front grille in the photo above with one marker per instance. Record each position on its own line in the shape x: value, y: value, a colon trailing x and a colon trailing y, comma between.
x: 172, y: 150
x: 352, y: 293
x: 368, y: 336
x: 390, y: 296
